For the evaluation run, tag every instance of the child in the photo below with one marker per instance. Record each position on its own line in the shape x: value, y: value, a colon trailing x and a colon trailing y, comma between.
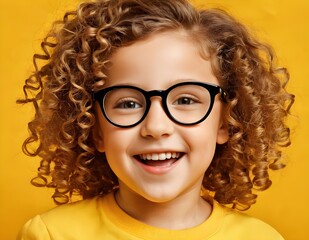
x: 157, y: 114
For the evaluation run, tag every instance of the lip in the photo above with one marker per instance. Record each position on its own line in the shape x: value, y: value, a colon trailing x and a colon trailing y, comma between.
x: 159, y: 169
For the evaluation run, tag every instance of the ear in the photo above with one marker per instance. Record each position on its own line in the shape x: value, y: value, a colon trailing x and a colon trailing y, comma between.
x: 223, y: 134
x: 97, y: 135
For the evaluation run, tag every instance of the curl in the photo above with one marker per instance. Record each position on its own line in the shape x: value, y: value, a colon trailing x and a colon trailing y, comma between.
x: 256, y: 109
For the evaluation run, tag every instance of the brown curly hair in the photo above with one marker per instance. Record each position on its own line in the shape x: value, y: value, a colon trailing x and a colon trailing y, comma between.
x: 76, y: 56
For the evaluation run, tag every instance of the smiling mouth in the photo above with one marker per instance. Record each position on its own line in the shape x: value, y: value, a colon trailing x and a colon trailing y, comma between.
x: 159, y: 159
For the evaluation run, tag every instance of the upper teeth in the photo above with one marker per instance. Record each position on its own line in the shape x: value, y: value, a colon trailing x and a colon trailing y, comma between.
x: 159, y: 156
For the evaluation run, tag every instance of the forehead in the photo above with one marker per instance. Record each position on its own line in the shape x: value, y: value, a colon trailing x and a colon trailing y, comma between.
x: 168, y: 55
x: 170, y: 41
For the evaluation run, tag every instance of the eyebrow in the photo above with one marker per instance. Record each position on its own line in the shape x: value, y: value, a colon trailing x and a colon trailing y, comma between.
x: 176, y: 81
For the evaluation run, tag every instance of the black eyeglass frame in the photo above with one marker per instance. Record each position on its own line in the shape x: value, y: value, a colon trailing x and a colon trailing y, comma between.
x: 213, y: 90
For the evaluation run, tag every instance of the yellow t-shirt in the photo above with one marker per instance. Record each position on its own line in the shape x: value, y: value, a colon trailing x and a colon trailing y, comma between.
x: 101, y: 218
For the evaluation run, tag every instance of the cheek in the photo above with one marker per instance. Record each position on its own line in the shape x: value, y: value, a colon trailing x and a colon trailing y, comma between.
x: 117, y: 140
x: 115, y: 147
x: 112, y: 139
x: 202, y: 139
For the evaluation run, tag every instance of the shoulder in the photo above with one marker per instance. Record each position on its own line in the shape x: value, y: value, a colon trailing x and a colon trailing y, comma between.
x: 73, y: 211
x: 34, y: 229
x: 243, y: 226
x: 65, y: 220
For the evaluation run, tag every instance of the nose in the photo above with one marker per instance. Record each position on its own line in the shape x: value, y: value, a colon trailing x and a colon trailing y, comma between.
x: 156, y: 124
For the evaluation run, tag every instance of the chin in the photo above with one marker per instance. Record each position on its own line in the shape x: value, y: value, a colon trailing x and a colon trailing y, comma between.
x: 159, y: 195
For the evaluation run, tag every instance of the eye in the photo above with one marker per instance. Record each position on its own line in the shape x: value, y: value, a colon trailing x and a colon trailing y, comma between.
x: 185, y: 101
x: 128, y: 104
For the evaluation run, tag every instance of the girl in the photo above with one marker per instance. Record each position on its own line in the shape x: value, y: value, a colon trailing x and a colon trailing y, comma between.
x: 162, y: 117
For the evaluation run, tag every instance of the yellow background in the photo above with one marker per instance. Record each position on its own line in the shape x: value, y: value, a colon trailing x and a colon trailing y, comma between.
x: 284, y: 24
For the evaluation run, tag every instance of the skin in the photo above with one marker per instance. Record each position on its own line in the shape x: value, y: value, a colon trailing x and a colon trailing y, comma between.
x: 166, y: 197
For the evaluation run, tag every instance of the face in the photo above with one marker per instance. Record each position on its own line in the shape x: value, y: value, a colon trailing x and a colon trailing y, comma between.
x: 157, y: 63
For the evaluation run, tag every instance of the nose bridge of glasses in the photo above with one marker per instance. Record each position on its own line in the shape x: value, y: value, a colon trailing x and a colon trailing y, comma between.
x: 155, y: 93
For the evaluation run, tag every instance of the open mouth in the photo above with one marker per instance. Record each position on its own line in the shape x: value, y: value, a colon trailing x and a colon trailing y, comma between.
x: 159, y: 159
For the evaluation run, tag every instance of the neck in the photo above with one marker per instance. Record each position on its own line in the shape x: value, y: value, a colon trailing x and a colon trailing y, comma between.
x: 185, y: 211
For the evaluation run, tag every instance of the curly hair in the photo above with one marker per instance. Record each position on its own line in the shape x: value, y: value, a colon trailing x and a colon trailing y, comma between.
x: 76, y: 54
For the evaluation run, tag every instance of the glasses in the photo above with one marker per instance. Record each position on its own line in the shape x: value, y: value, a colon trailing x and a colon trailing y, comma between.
x: 185, y: 103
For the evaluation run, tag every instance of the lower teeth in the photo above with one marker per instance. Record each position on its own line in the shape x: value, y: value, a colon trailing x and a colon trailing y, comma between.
x: 161, y: 163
